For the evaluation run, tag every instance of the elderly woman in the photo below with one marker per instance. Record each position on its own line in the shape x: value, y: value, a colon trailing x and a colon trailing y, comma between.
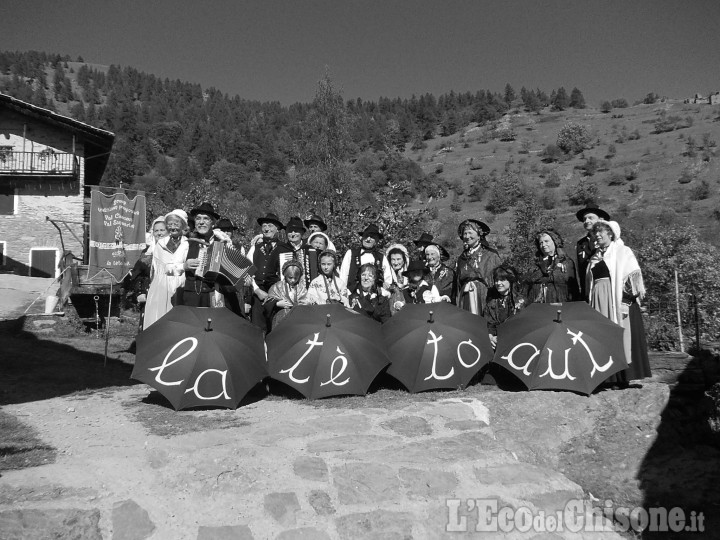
x: 137, y: 282
x: 399, y: 259
x: 473, y: 272
x: 615, y: 286
x: 438, y: 274
x: 553, y: 279
x: 167, y: 270
x: 368, y: 298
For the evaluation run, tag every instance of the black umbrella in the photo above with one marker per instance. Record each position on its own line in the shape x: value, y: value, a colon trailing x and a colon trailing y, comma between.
x: 201, y: 357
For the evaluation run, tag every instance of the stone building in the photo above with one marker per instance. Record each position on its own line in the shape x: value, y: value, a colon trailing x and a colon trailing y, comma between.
x: 47, y: 164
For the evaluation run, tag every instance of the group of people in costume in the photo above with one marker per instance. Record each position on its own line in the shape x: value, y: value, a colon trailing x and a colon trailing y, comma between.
x: 302, y: 267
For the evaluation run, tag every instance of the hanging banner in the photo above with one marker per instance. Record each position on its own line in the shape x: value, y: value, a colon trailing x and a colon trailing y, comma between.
x: 117, y: 233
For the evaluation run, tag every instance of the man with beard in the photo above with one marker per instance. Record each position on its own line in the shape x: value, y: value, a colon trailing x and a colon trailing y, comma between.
x: 302, y: 252
x: 586, y: 245
x: 265, y: 253
x: 367, y: 252
x: 197, y: 291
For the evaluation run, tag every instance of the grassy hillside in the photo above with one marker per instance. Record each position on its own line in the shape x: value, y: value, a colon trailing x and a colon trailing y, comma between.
x: 643, y: 178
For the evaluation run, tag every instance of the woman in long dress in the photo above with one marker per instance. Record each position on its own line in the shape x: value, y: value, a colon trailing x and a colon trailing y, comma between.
x: 473, y: 274
x: 553, y: 279
x: 616, y: 287
x: 167, y: 271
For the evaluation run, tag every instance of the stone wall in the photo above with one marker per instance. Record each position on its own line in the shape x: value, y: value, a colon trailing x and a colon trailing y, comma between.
x: 37, y: 197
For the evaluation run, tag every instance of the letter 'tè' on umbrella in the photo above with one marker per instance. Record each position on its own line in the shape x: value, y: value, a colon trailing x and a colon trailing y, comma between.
x: 326, y: 350
x: 573, y: 348
x: 201, y: 357
x: 435, y: 346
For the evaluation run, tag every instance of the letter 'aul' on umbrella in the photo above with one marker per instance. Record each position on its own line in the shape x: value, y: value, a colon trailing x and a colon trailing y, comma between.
x: 566, y: 346
x: 326, y: 350
x: 201, y: 357
x: 435, y: 346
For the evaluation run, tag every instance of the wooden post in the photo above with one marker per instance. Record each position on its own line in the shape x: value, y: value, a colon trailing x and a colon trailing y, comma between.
x: 679, y: 319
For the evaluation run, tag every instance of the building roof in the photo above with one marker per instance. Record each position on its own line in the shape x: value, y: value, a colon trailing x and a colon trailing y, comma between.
x: 98, y: 142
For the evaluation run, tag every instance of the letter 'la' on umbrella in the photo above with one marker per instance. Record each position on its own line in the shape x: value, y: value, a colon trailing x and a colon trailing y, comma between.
x: 436, y: 346
x: 566, y: 346
x: 326, y: 350
x: 201, y: 357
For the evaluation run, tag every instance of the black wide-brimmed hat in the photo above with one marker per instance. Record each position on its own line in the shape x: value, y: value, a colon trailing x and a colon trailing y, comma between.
x: 224, y: 224
x: 314, y: 218
x: 271, y: 218
x: 205, y: 208
x: 424, y: 240
x: 373, y: 230
x: 602, y: 214
x: 416, y: 265
x: 296, y: 224
x: 484, y: 228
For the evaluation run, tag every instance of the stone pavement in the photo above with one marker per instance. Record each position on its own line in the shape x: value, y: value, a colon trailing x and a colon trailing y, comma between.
x: 17, y: 293
x: 287, y: 469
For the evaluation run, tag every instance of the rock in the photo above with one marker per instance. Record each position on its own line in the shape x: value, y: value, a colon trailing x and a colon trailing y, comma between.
x: 468, y: 446
x: 341, y: 423
x: 409, y: 426
x: 158, y: 458
x: 376, y: 525
x: 349, y: 442
x: 226, y: 532
x: 130, y: 521
x: 311, y: 468
x: 40, y: 323
x: 431, y: 484
x: 304, y: 533
x: 321, y: 503
x: 282, y: 507
x: 57, y: 523
x: 368, y: 483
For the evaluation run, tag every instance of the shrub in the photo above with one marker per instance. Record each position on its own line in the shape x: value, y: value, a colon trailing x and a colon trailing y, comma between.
x: 634, y: 188
x: 548, y: 199
x: 583, y: 194
x: 701, y: 191
x: 606, y: 107
x: 503, y: 193
x: 478, y: 187
x: 630, y: 174
x: 611, y: 151
x: 687, y: 175
x: 439, y: 167
x: 573, y: 138
x: 553, y: 179
x: 616, y: 179
x: 552, y: 153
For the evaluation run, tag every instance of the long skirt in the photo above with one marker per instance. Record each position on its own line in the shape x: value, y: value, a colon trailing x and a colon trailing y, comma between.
x: 634, y: 341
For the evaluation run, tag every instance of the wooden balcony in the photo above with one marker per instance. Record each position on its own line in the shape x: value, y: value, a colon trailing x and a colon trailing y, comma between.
x: 39, y: 164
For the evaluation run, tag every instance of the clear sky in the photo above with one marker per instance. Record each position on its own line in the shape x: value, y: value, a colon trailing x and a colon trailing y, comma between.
x: 277, y: 50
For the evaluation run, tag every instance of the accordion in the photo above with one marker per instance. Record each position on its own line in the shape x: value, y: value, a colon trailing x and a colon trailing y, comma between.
x: 217, y: 259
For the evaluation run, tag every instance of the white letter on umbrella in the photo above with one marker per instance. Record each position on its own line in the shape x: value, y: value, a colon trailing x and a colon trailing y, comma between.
x: 333, y: 376
x: 470, y: 343
x: 435, y: 339
x: 312, y: 342
x: 509, y: 356
x: 165, y: 364
x: 565, y: 375
x: 223, y: 375
x: 578, y: 337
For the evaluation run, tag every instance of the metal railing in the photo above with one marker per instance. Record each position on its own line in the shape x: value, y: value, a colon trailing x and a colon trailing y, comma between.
x: 45, y: 163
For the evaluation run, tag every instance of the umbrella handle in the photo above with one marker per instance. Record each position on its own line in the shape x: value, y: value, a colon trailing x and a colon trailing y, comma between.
x: 327, y: 321
x: 431, y: 320
x: 559, y: 319
x: 208, y: 328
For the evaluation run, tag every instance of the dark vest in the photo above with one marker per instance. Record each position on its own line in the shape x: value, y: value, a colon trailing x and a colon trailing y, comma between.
x: 193, y: 283
x: 355, y: 265
x: 268, y: 264
x: 584, y: 251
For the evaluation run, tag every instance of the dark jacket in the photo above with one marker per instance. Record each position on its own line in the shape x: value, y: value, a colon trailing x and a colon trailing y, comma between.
x: 377, y: 308
x: 553, y: 280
